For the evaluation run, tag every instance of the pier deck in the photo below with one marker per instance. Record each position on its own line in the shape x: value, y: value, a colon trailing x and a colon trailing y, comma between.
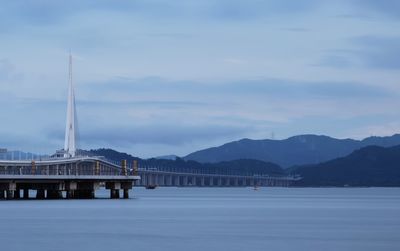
x: 72, y: 178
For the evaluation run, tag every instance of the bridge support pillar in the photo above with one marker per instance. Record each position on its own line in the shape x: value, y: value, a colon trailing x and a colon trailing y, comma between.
x: 26, y: 193
x: 126, y: 193
x: 169, y: 180
x: 227, y: 182
x: 84, y: 194
x: 70, y: 194
x: 212, y: 181
x: 185, y: 181
x: 115, y: 187
x: 193, y: 181
x: 176, y: 181
x: 126, y: 186
x: 17, y: 194
x: 114, y: 193
x: 71, y: 187
x: 40, y: 194
x: 2, y: 195
x: 8, y: 188
x: 54, y: 194
x: 85, y: 190
x: 202, y: 181
x: 10, y: 194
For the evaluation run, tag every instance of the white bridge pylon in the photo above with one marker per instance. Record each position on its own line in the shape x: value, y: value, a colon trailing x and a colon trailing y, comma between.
x: 70, y: 144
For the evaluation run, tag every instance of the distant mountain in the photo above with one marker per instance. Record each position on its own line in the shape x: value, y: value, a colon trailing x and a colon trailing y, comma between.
x: 369, y: 166
x: 239, y: 167
x: 111, y: 154
x: 297, y: 150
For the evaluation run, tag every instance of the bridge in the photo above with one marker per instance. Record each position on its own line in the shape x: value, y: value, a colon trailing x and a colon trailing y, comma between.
x: 68, y: 175
x: 79, y: 178
x: 161, y: 178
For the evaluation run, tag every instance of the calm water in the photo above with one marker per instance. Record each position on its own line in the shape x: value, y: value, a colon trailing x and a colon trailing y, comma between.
x: 209, y: 219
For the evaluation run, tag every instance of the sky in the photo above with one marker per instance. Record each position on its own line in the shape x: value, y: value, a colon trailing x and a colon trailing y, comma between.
x: 159, y: 77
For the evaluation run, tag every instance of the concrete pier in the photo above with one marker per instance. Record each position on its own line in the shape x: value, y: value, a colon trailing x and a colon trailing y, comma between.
x: 126, y: 193
x: 26, y: 194
x: 40, y: 194
x: 9, y: 195
x: 77, y: 178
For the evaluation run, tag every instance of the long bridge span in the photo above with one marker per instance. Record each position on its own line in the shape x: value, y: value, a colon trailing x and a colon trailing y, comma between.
x: 79, y: 177
x: 184, y: 179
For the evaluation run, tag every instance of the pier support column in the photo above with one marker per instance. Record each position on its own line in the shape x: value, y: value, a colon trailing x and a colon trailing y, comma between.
x: 126, y: 193
x: 176, y: 181
x: 2, y: 195
x: 70, y: 187
x: 54, y: 194
x: 70, y: 194
x: 219, y: 181
x: 40, y: 194
x: 26, y: 193
x: 114, y: 193
x: 17, y: 194
x: 86, y: 190
x: 10, y: 194
x: 84, y: 194
x: 116, y: 186
x: 126, y: 186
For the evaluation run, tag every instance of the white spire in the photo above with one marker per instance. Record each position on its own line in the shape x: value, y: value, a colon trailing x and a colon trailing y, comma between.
x: 69, y: 144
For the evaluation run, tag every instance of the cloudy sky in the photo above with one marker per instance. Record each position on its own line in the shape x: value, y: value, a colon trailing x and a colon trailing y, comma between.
x: 159, y: 77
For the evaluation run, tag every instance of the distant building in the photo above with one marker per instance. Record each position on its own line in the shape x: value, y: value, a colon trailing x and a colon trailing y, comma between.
x: 3, y: 150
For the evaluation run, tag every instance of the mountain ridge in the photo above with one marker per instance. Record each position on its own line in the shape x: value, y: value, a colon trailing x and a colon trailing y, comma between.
x: 368, y: 166
x: 295, y: 150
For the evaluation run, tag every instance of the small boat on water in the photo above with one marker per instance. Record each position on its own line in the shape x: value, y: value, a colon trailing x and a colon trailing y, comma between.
x: 255, y: 188
x: 151, y: 186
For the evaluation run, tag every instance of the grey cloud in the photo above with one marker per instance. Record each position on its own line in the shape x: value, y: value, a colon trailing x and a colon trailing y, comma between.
x: 296, y: 29
x: 241, y: 9
x: 365, y: 51
x: 335, y: 61
x: 164, y: 134
x: 8, y: 72
x: 386, y: 7
x: 278, y: 88
x: 379, y: 52
x: 46, y: 12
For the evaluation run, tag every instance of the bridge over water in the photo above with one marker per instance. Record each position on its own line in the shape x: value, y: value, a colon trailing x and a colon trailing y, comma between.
x: 79, y: 177
x: 183, y: 179
x: 71, y: 176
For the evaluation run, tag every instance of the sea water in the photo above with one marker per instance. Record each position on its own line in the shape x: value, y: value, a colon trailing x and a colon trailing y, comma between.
x: 208, y: 219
